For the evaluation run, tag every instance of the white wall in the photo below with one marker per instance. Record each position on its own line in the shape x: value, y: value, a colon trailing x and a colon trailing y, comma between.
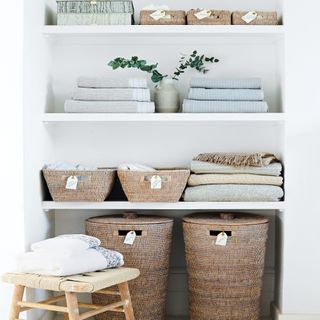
x: 11, y: 191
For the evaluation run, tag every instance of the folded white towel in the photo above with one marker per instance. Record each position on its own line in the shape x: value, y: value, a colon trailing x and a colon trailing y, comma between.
x: 107, y: 82
x: 67, y: 166
x: 67, y: 245
x: 60, y: 265
x: 135, y: 167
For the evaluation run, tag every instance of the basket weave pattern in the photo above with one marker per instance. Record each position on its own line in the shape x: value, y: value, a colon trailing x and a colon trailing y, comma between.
x: 150, y: 253
x: 263, y: 18
x: 217, y: 17
x: 178, y: 17
x: 225, y: 281
x: 92, y: 185
x: 137, y: 186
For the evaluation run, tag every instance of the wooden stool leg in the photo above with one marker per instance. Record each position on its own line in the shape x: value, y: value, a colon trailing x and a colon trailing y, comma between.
x: 65, y: 317
x: 125, y: 295
x: 17, y: 296
x: 72, y: 305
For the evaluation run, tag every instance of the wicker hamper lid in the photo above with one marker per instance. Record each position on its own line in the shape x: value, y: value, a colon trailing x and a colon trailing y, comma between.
x: 130, y: 218
x: 225, y: 219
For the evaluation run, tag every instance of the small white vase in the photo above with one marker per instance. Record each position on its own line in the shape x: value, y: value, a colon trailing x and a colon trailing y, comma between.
x: 166, y: 97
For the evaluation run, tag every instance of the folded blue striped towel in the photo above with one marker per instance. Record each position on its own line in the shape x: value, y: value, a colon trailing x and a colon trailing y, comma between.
x: 211, y: 83
x: 204, y: 106
x: 226, y: 94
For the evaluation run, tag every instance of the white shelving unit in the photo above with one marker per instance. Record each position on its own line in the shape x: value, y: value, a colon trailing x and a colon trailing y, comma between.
x: 57, y: 55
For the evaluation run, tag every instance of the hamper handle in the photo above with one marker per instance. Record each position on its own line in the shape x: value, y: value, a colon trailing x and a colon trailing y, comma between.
x: 123, y: 233
x: 217, y: 232
x: 163, y: 178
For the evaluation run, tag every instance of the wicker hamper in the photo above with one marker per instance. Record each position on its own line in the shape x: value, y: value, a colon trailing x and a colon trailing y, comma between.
x: 225, y: 282
x: 150, y: 253
x: 138, y: 185
x: 92, y: 185
x: 262, y: 18
x: 95, y: 12
x: 217, y: 17
x: 177, y: 17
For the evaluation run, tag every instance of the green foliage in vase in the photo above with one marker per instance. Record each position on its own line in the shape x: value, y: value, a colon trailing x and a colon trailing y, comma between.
x: 192, y: 61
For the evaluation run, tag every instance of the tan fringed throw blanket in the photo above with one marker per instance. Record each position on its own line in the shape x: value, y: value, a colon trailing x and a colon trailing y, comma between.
x: 238, y: 159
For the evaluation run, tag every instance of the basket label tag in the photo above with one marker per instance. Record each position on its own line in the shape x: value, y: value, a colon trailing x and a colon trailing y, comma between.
x: 222, y: 239
x: 160, y: 14
x: 250, y: 16
x: 130, y: 237
x: 72, y: 183
x: 203, y: 14
x: 155, y: 182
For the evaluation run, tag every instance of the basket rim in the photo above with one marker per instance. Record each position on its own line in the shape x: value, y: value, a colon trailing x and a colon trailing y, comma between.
x: 156, y: 170
x: 79, y: 170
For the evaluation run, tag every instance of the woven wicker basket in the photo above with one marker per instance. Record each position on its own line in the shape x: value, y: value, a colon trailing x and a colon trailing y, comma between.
x: 217, y: 17
x: 150, y: 253
x: 263, y: 18
x: 137, y: 185
x: 177, y: 17
x: 93, y: 185
x: 225, y: 281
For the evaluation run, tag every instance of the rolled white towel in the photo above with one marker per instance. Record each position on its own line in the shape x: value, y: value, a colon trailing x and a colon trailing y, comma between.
x: 135, y: 167
x: 67, y: 166
x: 89, y: 260
x: 68, y: 244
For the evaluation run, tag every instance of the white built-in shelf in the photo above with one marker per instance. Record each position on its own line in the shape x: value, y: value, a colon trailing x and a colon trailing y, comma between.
x: 164, y: 117
x: 166, y: 30
x: 125, y: 205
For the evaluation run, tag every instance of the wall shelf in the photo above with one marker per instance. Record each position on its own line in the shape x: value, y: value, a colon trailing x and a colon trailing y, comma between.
x: 166, y: 30
x: 125, y: 205
x: 271, y: 118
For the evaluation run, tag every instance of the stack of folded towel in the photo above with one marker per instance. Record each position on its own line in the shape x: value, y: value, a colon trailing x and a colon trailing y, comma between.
x: 225, y: 96
x: 235, y: 177
x: 67, y: 255
x: 105, y: 95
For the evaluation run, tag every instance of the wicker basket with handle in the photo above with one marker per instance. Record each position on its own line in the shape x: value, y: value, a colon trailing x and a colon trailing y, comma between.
x: 92, y: 185
x: 150, y: 253
x: 172, y: 17
x: 262, y: 18
x: 216, y: 17
x: 142, y: 186
x: 225, y: 280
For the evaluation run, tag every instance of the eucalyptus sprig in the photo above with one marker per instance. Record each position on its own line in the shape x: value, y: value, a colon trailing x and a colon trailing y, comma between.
x: 192, y: 61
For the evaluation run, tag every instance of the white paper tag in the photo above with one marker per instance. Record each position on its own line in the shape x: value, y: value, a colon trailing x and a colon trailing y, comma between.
x: 72, y: 183
x: 130, y: 237
x: 203, y: 14
x: 250, y: 16
x: 222, y: 239
x: 155, y: 182
x: 160, y: 14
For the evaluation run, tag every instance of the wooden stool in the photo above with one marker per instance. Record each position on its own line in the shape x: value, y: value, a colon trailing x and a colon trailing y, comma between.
x: 85, y: 283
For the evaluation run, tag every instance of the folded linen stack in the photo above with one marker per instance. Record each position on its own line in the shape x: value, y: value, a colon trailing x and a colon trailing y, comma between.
x: 106, y: 95
x: 68, y: 254
x: 235, y: 177
x: 208, y: 95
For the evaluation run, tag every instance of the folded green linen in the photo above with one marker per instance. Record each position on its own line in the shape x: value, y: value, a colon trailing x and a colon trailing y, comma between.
x: 233, y: 192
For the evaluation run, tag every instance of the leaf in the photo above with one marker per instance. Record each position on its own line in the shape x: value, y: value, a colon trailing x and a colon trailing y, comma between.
x: 216, y: 60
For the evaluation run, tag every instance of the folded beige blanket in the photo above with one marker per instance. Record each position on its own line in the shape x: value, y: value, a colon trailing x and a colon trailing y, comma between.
x: 204, y: 179
x: 238, y: 159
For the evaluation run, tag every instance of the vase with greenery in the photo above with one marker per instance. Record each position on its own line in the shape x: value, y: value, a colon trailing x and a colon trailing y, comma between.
x: 166, y: 95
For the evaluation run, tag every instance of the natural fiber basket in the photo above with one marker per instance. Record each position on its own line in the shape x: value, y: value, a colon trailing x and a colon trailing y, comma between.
x: 263, y: 18
x: 93, y: 185
x: 177, y: 17
x: 217, y: 17
x: 225, y: 281
x: 150, y: 253
x: 137, y: 185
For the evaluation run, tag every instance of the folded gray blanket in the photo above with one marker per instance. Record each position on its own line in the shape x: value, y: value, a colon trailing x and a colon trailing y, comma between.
x: 77, y: 106
x: 233, y: 192
x: 273, y: 169
x: 226, y: 94
x: 106, y: 82
x: 197, y: 106
x: 111, y: 94
x: 211, y: 83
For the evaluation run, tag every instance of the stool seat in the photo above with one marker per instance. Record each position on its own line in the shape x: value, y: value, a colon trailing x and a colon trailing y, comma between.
x: 70, y: 286
x: 86, y: 282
